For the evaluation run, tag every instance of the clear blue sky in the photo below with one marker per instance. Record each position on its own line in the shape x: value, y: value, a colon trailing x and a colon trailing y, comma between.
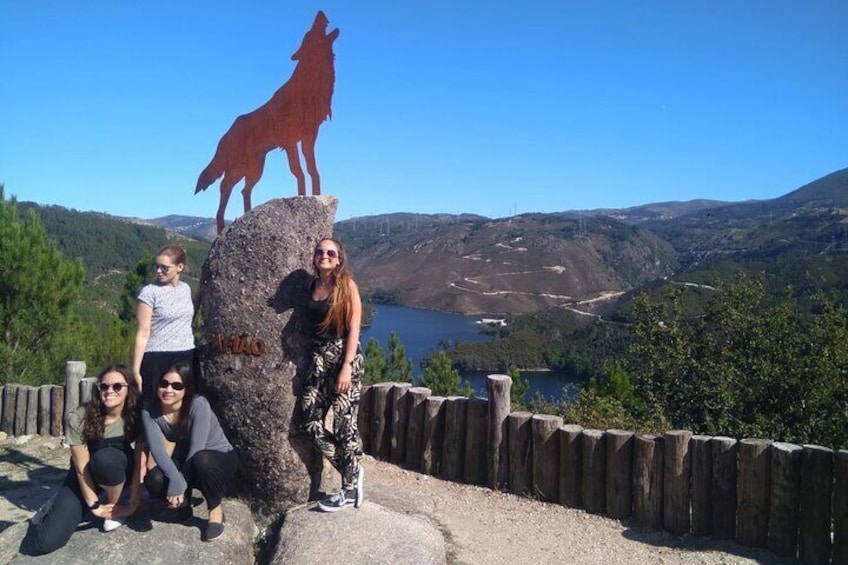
x: 491, y: 108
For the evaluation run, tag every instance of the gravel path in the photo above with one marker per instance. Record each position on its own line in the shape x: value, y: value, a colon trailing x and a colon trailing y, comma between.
x: 479, y: 525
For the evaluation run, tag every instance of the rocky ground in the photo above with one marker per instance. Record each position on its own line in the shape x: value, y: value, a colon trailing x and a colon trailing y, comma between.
x: 479, y: 525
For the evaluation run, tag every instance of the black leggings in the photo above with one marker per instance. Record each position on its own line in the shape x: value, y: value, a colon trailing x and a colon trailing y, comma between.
x: 210, y: 472
x: 109, y: 466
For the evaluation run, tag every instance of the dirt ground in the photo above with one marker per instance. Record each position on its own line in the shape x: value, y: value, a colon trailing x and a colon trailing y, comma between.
x: 479, y: 525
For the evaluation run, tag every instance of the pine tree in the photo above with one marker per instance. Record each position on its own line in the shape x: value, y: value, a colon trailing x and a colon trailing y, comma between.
x: 398, y: 366
x: 375, y: 363
x: 440, y: 376
x: 38, y: 291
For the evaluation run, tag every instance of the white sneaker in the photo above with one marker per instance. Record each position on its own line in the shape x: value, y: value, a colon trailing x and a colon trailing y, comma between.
x: 360, y: 479
x: 110, y: 525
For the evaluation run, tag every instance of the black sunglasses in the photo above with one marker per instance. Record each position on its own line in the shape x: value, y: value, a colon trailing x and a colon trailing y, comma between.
x: 176, y: 385
x: 163, y: 268
x: 117, y: 387
x: 331, y: 253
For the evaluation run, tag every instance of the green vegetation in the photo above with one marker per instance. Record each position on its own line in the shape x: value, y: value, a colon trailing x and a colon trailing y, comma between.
x: 442, y: 378
x: 39, y: 328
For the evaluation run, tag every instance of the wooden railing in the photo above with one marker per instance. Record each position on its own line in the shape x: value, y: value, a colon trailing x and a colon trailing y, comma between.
x: 790, y: 499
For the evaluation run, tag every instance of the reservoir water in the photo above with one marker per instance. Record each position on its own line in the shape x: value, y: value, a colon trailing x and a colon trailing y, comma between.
x: 421, y: 331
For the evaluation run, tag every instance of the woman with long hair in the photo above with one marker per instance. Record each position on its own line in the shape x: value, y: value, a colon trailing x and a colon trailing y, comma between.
x: 164, y: 313
x: 100, y: 434
x: 334, y: 380
x: 188, y: 449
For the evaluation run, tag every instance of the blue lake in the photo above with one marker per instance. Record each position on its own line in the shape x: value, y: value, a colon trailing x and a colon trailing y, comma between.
x: 421, y: 331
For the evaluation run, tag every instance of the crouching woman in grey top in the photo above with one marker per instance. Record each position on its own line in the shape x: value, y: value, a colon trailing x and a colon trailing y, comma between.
x: 188, y: 449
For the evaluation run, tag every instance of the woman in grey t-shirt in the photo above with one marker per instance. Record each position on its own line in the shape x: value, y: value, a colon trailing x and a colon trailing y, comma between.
x: 164, y: 312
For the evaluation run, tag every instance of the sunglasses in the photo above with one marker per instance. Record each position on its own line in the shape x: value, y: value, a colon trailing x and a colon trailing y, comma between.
x: 176, y: 385
x: 164, y: 268
x: 331, y: 253
x: 104, y: 387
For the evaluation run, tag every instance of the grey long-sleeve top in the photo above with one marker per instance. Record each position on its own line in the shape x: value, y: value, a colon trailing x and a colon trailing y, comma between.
x: 201, y: 432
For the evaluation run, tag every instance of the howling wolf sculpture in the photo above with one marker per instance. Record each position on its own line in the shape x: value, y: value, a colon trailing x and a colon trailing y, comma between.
x: 291, y: 116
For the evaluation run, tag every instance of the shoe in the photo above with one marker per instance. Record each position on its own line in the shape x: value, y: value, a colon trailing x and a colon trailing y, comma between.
x: 43, y: 510
x: 360, y: 479
x: 183, y: 514
x: 335, y: 502
x: 110, y: 525
x: 214, y: 530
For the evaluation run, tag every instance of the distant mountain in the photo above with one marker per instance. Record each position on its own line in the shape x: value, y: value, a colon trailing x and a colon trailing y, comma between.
x: 200, y: 228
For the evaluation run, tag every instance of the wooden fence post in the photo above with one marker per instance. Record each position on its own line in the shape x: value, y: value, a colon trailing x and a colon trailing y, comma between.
x: 400, y: 421
x: 381, y: 420
x: 74, y: 373
x: 44, y: 409
x: 520, y: 452
x: 570, y: 466
x: 365, y: 417
x: 593, y: 490
x: 544, y: 428
x: 619, y: 474
x: 702, y: 480
x: 497, y: 446
x: 648, y: 480
x: 454, y: 444
x: 2, y: 406
x: 85, y: 389
x: 676, y: 477
x: 32, y: 411
x: 840, y: 509
x: 476, y: 438
x: 753, y: 506
x: 415, y: 432
x: 434, y: 434
x: 785, y: 498
x: 816, y: 492
x: 10, y: 398
x: 57, y: 410
x: 725, y: 451
x: 21, y: 394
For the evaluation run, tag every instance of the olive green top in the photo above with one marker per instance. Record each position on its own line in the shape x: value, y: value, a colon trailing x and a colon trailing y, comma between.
x: 76, y: 421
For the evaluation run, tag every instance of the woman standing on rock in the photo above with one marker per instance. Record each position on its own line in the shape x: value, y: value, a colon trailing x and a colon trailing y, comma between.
x: 188, y: 449
x: 100, y: 434
x: 334, y: 310
x: 164, y: 313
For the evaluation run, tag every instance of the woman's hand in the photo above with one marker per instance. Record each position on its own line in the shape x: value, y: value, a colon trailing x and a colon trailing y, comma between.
x: 124, y: 510
x: 103, y: 511
x: 176, y: 501
x: 344, y: 380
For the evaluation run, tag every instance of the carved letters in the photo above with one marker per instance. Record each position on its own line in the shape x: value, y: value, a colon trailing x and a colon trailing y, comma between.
x: 238, y: 345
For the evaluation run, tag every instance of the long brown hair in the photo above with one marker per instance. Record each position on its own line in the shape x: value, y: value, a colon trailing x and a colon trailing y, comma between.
x: 187, y: 376
x: 338, y: 315
x: 94, y: 421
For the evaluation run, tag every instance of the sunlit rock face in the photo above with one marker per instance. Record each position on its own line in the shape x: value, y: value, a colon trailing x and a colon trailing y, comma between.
x: 255, y: 345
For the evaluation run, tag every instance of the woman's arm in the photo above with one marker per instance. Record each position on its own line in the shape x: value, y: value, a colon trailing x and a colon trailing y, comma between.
x: 128, y: 509
x: 143, y: 317
x: 80, y: 458
x: 344, y: 381
x: 156, y: 442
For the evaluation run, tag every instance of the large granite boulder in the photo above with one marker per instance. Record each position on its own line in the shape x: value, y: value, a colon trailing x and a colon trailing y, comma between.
x: 255, y: 345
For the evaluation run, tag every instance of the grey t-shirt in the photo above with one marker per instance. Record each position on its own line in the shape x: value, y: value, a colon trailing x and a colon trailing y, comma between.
x: 203, y: 431
x: 173, y: 310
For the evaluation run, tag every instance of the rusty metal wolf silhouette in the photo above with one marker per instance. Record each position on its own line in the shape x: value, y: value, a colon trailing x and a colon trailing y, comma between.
x: 291, y: 116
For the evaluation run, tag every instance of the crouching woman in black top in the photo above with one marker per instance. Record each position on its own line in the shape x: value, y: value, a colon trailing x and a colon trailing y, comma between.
x: 102, y: 462
x: 188, y: 449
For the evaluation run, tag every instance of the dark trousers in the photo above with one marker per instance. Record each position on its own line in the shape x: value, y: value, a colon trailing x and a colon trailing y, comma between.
x: 210, y: 472
x: 108, y: 466
x: 155, y: 363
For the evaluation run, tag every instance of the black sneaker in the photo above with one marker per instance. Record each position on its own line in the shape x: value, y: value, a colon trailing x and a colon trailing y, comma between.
x: 360, y: 479
x: 214, y: 530
x: 335, y: 502
x: 183, y: 514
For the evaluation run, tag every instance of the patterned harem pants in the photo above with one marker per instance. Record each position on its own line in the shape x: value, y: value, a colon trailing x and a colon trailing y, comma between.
x: 342, y: 445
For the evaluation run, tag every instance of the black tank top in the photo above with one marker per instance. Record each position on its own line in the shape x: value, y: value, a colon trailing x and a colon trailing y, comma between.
x: 316, y: 311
